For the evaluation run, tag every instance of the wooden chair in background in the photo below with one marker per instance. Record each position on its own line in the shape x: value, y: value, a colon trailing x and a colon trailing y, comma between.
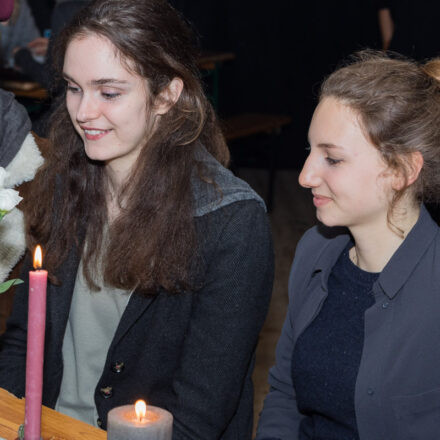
x: 248, y: 125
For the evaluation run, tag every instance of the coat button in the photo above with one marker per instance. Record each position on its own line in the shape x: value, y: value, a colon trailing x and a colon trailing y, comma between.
x: 99, y: 422
x: 118, y: 367
x: 385, y: 304
x: 370, y: 391
x: 106, y: 392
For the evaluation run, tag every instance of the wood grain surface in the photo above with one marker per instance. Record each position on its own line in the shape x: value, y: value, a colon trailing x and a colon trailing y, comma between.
x: 54, y: 425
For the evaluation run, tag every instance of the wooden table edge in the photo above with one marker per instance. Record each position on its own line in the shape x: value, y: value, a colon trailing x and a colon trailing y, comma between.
x: 54, y: 425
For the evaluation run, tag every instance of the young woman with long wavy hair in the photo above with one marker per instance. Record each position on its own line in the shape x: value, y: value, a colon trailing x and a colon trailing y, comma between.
x: 160, y: 259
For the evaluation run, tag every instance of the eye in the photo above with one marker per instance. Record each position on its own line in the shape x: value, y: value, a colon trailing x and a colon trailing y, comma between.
x: 332, y: 161
x: 109, y: 95
x: 73, y: 89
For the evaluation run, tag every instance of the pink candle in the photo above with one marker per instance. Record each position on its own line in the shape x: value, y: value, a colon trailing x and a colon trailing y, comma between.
x: 35, y: 348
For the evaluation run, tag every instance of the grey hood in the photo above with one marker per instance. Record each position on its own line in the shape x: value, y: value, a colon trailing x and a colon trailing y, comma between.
x: 226, y: 190
x: 14, y: 127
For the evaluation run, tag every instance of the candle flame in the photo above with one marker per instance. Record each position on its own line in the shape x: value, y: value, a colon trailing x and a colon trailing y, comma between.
x: 141, y: 409
x: 38, y: 258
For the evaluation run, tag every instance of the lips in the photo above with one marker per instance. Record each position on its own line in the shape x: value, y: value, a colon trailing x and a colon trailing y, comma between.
x: 94, y: 134
x: 319, y: 200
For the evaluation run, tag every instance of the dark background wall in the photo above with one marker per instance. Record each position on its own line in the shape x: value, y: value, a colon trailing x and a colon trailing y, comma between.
x: 42, y: 10
x: 283, y: 49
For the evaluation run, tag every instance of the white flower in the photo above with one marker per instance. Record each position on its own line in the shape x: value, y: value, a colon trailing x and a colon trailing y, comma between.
x: 3, y: 175
x: 8, y: 199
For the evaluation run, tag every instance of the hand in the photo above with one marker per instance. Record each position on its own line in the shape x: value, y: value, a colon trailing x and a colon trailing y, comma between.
x: 39, y: 46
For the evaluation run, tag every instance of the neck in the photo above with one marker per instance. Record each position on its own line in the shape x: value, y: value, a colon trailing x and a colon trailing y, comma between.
x: 374, y: 246
x: 116, y: 178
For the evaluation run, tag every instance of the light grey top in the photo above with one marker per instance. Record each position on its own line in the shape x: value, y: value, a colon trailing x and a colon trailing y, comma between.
x: 93, y: 319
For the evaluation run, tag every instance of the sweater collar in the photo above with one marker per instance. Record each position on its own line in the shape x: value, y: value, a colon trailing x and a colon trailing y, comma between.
x: 400, y: 266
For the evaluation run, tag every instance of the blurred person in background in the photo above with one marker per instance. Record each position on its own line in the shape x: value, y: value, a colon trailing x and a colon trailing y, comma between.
x: 19, y: 30
x: 410, y: 27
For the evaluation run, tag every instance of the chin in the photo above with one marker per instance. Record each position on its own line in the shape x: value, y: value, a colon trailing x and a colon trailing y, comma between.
x: 92, y: 154
x: 328, y: 221
x: 94, y: 157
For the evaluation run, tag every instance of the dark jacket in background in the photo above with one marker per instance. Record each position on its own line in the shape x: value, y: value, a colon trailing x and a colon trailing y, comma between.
x: 397, y: 394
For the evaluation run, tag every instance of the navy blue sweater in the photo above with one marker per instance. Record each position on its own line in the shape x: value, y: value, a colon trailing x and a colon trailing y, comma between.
x: 327, y: 355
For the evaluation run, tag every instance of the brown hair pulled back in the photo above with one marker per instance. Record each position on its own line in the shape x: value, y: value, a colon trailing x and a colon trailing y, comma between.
x: 152, y: 243
x: 398, y: 102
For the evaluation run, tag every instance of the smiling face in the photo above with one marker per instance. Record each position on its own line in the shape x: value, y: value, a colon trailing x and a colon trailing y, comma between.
x: 106, y: 103
x: 350, y: 182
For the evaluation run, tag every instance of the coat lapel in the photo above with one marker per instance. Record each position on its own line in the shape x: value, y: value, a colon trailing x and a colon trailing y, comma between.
x: 137, y: 305
x: 60, y: 299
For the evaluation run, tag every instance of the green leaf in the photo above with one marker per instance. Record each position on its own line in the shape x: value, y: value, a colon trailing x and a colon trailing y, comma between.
x: 8, y: 284
x: 21, y: 432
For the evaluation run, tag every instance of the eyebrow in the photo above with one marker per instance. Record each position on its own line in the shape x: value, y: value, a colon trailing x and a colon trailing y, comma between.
x: 325, y: 144
x: 99, y: 82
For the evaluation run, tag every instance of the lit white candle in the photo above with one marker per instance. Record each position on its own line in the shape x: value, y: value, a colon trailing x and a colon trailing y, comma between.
x: 137, y: 422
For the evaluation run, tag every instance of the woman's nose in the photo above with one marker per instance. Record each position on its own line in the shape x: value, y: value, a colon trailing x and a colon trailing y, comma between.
x: 309, y: 176
x: 88, y: 109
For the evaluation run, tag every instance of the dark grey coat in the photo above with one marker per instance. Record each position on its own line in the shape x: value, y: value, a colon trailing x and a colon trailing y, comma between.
x: 191, y: 353
x: 397, y: 394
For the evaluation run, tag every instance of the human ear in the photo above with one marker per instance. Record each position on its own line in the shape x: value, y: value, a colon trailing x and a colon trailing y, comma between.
x: 168, y: 96
x: 414, y: 164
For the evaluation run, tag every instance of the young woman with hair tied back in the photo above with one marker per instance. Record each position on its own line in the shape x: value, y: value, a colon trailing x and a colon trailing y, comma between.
x: 359, y: 353
x: 160, y: 260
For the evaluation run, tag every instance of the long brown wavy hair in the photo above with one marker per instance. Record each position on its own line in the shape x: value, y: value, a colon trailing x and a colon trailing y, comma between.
x: 152, y: 243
